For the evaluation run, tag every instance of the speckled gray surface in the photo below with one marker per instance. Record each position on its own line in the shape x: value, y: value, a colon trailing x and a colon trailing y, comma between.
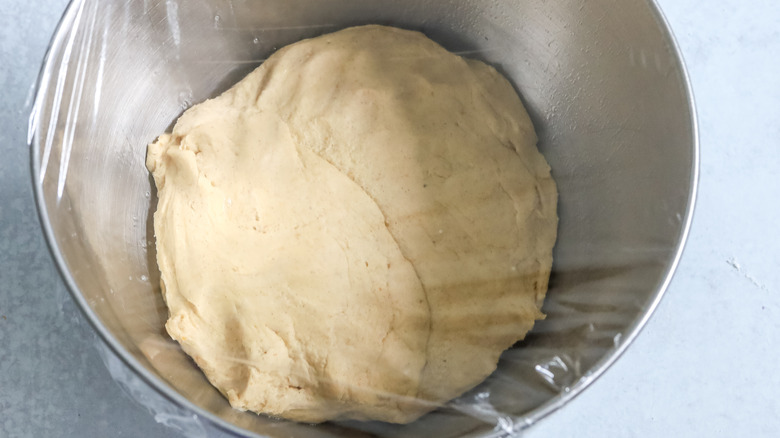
x: 705, y: 365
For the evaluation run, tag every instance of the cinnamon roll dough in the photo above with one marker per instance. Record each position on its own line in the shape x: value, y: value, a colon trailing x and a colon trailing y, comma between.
x: 357, y: 229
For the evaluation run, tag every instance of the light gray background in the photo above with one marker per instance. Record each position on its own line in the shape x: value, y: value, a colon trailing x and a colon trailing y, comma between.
x: 705, y: 366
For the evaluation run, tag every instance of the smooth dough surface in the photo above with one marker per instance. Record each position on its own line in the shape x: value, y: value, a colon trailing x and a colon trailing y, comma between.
x: 357, y: 229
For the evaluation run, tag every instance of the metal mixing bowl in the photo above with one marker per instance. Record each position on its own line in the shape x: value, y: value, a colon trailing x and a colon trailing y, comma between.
x: 602, y: 80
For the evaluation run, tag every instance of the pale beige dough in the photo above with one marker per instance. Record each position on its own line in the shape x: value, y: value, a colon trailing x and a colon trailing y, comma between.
x: 357, y: 229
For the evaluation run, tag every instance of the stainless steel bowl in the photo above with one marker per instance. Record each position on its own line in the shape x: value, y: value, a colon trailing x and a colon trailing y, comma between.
x: 602, y: 80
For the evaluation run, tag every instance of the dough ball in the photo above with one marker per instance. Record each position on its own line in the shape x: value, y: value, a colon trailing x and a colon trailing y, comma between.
x: 357, y: 229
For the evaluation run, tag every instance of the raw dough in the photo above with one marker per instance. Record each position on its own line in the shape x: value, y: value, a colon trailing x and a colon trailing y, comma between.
x: 357, y: 229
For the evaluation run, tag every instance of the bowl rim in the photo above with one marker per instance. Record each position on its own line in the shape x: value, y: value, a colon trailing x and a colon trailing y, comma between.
x: 520, y: 422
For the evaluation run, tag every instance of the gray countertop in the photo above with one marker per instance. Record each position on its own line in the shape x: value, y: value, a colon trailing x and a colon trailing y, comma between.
x: 705, y: 365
